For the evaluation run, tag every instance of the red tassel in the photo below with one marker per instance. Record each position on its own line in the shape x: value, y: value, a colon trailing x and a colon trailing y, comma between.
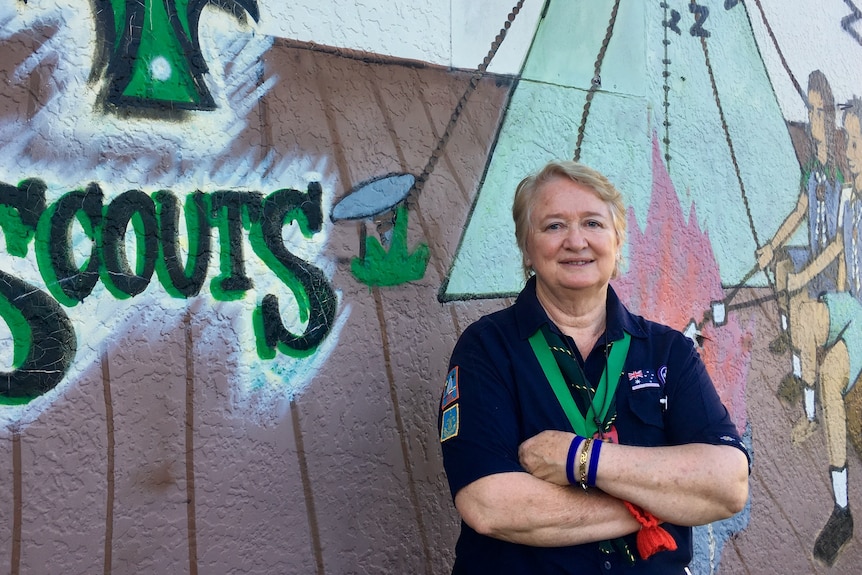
x: 652, y: 537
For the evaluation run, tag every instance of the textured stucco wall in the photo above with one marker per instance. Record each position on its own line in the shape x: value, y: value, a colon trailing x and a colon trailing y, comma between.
x: 268, y: 404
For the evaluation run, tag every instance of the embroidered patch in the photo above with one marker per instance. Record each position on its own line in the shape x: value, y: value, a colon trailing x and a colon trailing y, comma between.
x: 643, y: 378
x: 450, y: 424
x: 450, y: 395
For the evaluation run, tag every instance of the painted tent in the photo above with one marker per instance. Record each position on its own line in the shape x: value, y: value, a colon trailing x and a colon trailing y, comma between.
x: 240, y: 238
x: 599, y: 81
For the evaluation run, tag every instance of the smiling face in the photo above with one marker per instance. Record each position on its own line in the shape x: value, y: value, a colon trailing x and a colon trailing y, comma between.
x: 853, y: 127
x: 572, y: 243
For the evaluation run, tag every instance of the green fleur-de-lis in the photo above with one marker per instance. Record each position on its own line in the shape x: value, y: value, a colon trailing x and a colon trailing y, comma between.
x: 396, y: 266
x: 151, y: 54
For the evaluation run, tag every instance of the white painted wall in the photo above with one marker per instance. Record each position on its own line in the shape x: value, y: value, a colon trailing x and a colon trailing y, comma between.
x: 459, y: 33
x: 810, y: 36
x: 455, y: 33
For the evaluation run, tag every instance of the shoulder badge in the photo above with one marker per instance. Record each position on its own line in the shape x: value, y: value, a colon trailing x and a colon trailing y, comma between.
x: 450, y: 394
x: 450, y: 424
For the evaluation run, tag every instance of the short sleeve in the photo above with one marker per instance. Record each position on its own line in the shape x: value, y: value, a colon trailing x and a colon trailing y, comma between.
x: 695, y: 413
x: 478, y: 419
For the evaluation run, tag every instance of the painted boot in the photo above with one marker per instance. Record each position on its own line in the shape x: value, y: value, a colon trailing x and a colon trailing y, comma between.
x: 837, y: 531
x: 780, y: 344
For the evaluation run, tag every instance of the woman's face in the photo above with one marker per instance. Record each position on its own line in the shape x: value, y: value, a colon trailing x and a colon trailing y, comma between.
x: 572, y: 242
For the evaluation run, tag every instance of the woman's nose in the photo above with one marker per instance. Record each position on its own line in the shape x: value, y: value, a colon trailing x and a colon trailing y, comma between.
x: 575, y: 238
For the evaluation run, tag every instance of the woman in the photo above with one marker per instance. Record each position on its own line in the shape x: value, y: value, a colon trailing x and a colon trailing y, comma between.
x: 534, y: 496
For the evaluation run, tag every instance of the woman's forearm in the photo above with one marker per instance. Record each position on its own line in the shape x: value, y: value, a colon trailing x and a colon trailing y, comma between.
x: 687, y: 485
x: 520, y: 508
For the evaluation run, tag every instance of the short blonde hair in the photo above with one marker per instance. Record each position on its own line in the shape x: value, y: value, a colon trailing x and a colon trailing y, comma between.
x: 528, y: 190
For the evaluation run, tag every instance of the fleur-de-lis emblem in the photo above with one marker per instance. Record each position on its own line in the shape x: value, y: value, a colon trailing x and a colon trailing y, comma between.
x: 150, y: 51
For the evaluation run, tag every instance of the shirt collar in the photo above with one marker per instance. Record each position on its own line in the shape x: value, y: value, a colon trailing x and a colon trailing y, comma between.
x: 530, y: 315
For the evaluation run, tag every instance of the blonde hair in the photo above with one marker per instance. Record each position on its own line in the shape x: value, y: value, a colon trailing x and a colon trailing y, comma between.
x: 528, y: 190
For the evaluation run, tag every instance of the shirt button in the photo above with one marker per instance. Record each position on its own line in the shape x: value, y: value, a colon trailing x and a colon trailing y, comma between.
x: 607, y: 565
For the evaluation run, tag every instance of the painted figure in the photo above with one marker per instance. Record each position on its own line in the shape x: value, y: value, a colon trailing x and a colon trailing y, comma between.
x: 818, y: 203
x: 836, y: 329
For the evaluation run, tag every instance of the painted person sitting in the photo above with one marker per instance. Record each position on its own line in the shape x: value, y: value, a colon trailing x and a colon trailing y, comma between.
x: 835, y: 327
x: 818, y: 204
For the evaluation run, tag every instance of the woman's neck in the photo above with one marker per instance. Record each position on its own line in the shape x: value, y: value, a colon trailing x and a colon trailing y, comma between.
x: 580, y: 315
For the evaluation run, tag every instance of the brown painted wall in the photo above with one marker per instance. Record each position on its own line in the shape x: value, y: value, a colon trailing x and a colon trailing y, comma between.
x: 175, y: 439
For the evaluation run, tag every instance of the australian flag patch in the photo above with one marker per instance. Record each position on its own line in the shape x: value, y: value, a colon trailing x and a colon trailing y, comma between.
x: 643, y: 378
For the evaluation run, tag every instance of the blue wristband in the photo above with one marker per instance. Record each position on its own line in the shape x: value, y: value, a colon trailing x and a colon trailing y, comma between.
x: 570, y: 460
x: 594, y: 463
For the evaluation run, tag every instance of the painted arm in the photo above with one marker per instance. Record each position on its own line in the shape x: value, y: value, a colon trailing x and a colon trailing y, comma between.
x: 691, y: 484
x: 766, y: 253
x: 797, y: 281
x: 520, y: 508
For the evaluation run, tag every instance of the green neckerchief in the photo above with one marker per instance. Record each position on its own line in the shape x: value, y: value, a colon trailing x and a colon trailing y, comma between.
x: 831, y: 171
x: 570, y: 385
x: 575, y: 397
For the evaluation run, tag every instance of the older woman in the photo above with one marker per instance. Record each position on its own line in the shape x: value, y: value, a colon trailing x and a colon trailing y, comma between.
x: 571, y: 428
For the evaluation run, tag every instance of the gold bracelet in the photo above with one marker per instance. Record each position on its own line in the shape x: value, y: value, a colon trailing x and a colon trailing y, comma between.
x: 582, y: 469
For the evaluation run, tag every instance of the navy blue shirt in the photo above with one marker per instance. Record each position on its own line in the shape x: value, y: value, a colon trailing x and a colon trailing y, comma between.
x: 497, y: 396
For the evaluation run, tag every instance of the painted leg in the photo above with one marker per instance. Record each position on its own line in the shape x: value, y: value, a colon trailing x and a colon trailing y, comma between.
x: 810, y: 328
x: 781, y: 344
x: 833, y: 381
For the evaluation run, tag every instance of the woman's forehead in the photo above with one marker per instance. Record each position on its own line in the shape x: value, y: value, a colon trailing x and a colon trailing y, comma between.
x: 569, y: 196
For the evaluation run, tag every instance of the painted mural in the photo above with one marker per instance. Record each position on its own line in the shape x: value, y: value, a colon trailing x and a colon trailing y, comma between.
x: 239, y: 240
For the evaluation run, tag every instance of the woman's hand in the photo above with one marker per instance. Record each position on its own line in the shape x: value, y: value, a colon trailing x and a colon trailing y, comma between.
x: 544, y: 455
